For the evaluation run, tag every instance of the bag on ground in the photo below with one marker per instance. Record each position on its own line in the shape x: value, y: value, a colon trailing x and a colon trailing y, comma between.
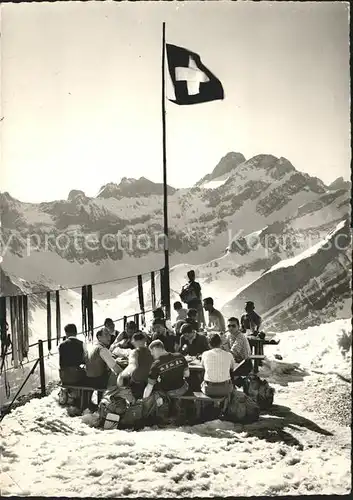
x: 148, y: 411
x: 239, y: 408
x: 114, y: 402
x: 259, y: 391
x: 69, y: 397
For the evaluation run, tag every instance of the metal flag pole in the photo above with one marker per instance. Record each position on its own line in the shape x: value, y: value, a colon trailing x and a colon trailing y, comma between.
x: 166, y: 298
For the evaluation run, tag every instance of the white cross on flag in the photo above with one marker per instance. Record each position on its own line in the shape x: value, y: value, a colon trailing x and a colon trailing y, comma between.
x: 193, y: 82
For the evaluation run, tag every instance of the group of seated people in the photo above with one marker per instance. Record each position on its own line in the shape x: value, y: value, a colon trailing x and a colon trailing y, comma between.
x: 159, y: 358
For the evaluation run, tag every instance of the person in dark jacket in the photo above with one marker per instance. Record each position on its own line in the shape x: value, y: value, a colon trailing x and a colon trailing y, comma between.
x: 71, y: 358
x: 191, y: 342
x: 160, y: 332
x: 192, y: 296
x: 251, y: 320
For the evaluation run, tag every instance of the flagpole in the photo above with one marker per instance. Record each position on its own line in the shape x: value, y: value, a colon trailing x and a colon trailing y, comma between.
x: 166, y: 287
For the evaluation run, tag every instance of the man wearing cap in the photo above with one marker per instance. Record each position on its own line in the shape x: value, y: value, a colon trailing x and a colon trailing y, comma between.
x: 170, y: 370
x: 192, y: 343
x: 251, y: 320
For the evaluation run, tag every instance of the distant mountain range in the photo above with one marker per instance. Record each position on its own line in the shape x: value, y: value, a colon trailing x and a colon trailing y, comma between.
x: 213, y: 226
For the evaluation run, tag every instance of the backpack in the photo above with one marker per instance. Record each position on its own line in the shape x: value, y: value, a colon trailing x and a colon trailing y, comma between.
x: 188, y: 293
x: 147, y: 411
x: 239, y: 408
x: 115, y: 401
x: 259, y: 391
x: 69, y: 397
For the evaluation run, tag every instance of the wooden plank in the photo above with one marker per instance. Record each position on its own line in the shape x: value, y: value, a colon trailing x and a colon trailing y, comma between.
x: 80, y: 388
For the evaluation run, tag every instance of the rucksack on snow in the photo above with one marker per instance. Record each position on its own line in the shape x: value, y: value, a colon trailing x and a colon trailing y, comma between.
x: 259, y: 391
x: 239, y: 408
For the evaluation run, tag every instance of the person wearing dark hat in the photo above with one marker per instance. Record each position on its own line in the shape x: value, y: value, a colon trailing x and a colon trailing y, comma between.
x: 251, y: 320
x: 192, y: 343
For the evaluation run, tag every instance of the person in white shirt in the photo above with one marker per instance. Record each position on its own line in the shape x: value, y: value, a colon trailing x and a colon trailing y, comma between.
x: 181, y: 312
x: 218, y: 365
x: 239, y: 347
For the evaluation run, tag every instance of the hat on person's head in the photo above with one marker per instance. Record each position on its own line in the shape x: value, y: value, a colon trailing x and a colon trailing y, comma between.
x: 187, y: 328
x: 250, y: 303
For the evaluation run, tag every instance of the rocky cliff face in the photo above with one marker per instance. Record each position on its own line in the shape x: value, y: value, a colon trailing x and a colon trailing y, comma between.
x: 262, y: 212
x: 304, y: 290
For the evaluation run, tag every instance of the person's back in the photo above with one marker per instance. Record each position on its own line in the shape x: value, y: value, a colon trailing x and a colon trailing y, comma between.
x: 170, y: 369
x: 71, y: 357
x: 217, y: 364
x: 71, y: 353
x: 144, y: 362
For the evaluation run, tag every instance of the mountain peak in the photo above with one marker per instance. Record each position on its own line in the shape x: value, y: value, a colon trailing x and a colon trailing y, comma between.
x: 228, y: 163
x: 130, y: 188
x: 339, y: 183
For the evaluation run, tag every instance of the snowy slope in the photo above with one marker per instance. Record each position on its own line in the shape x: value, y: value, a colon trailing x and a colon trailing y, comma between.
x: 305, y: 290
x: 253, y: 194
x: 301, y: 447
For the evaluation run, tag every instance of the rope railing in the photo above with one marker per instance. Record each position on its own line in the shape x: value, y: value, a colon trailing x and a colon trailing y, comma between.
x: 77, y: 287
x: 80, y: 333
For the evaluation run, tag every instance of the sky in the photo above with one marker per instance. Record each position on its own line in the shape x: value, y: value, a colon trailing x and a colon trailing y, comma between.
x: 81, y: 91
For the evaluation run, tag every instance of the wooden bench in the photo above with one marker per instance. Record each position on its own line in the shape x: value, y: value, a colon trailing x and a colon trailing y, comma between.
x: 82, y: 390
x: 199, y: 398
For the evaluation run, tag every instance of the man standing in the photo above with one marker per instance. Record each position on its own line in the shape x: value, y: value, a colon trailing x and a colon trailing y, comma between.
x: 191, y: 295
x: 171, y: 369
x: 71, y: 357
x: 216, y: 321
x: 217, y: 364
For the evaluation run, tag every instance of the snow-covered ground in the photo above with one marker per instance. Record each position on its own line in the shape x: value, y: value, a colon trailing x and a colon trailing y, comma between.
x: 302, y: 446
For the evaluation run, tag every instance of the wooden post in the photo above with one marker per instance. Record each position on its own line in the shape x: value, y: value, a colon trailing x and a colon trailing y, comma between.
x: 41, y: 367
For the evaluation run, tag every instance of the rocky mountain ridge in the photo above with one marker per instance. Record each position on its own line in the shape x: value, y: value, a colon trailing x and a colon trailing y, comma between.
x: 263, y: 200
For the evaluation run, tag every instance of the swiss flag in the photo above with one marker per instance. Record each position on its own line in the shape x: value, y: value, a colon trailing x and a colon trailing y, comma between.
x: 193, y: 82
